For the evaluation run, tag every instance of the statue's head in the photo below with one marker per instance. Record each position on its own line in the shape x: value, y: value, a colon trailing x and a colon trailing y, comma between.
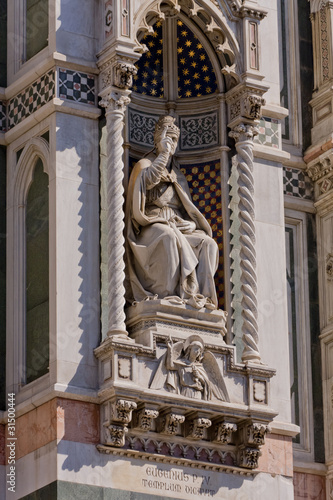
x: 168, y: 123
x: 194, y: 348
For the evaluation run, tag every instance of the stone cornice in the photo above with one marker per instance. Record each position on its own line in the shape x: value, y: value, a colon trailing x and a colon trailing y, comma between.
x: 243, y: 9
x: 320, y: 167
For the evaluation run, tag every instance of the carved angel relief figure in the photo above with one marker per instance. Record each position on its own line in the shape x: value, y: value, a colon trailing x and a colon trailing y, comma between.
x: 187, y: 369
x: 170, y: 250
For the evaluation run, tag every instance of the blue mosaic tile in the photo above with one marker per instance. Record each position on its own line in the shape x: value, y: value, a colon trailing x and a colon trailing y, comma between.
x: 296, y: 183
x: 30, y: 99
x: 77, y: 86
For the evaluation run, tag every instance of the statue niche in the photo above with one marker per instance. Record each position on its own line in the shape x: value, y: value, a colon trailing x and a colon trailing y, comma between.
x: 187, y: 369
x: 170, y: 250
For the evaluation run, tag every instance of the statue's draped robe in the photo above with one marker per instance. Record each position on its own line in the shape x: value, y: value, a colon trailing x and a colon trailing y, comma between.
x: 161, y: 260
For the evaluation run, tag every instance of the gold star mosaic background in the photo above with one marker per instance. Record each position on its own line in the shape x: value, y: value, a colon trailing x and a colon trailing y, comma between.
x: 196, y: 76
x: 149, y: 78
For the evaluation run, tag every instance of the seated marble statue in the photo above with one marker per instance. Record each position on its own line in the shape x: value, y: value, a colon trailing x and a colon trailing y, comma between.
x: 170, y: 250
x: 187, y: 369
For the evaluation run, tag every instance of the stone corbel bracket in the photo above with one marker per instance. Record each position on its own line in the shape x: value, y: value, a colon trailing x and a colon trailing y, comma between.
x: 118, y: 414
x: 116, y: 72
x: 245, y: 104
x: 251, y: 437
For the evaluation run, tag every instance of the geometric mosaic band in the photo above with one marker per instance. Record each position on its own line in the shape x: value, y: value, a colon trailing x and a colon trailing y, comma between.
x: 199, y: 131
x: 296, y: 183
x: 31, y: 98
x: 77, y: 86
x: 3, y: 116
x: 269, y: 133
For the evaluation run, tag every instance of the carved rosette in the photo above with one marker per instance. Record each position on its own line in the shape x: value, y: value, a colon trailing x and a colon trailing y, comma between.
x: 224, y: 432
x: 243, y: 136
x: 197, y: 427
x: 115, y: 104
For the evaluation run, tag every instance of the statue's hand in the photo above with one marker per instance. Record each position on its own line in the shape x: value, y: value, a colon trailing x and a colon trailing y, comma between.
x: 186, y: 226
x: 166, y: 143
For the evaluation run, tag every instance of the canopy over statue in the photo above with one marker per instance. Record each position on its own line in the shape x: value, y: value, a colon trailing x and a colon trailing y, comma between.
x: 170, y: 250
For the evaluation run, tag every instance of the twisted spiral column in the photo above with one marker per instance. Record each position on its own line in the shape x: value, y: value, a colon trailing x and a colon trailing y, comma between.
x: 243, y: 135
x: 115, y: 104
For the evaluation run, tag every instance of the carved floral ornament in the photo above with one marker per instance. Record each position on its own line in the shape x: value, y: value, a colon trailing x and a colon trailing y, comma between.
x: 329, y: 267
x: 246, y: 103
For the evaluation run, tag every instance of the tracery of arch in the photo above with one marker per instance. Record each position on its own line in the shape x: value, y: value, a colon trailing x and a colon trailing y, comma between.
x: 180, y: 74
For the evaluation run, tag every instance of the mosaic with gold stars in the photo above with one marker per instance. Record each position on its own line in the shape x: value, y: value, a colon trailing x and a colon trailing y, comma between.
x: 204, y: 180
x: 149, y: 79
x: 196, y: 76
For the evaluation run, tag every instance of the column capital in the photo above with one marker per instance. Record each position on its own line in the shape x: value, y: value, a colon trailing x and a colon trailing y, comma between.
x: 115, y: 100
x: 243, y: 132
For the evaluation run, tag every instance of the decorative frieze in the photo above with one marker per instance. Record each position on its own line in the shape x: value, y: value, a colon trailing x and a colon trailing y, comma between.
x: 224, y: 432
x: 141, y: 127
x: 197, y: 131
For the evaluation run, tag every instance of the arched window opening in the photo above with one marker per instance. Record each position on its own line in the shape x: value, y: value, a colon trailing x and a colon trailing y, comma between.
x: 37, y: 275
x: 37, y: 26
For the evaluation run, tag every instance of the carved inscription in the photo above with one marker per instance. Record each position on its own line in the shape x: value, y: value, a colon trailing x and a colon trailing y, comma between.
x: 197, y: 485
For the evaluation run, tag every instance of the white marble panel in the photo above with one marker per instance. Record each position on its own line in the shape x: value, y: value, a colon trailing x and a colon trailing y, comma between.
x: 268, y: 188
x: 34, y: 471
x: 75, y: 465
x: 75, y: 27
x: 272, y: 307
